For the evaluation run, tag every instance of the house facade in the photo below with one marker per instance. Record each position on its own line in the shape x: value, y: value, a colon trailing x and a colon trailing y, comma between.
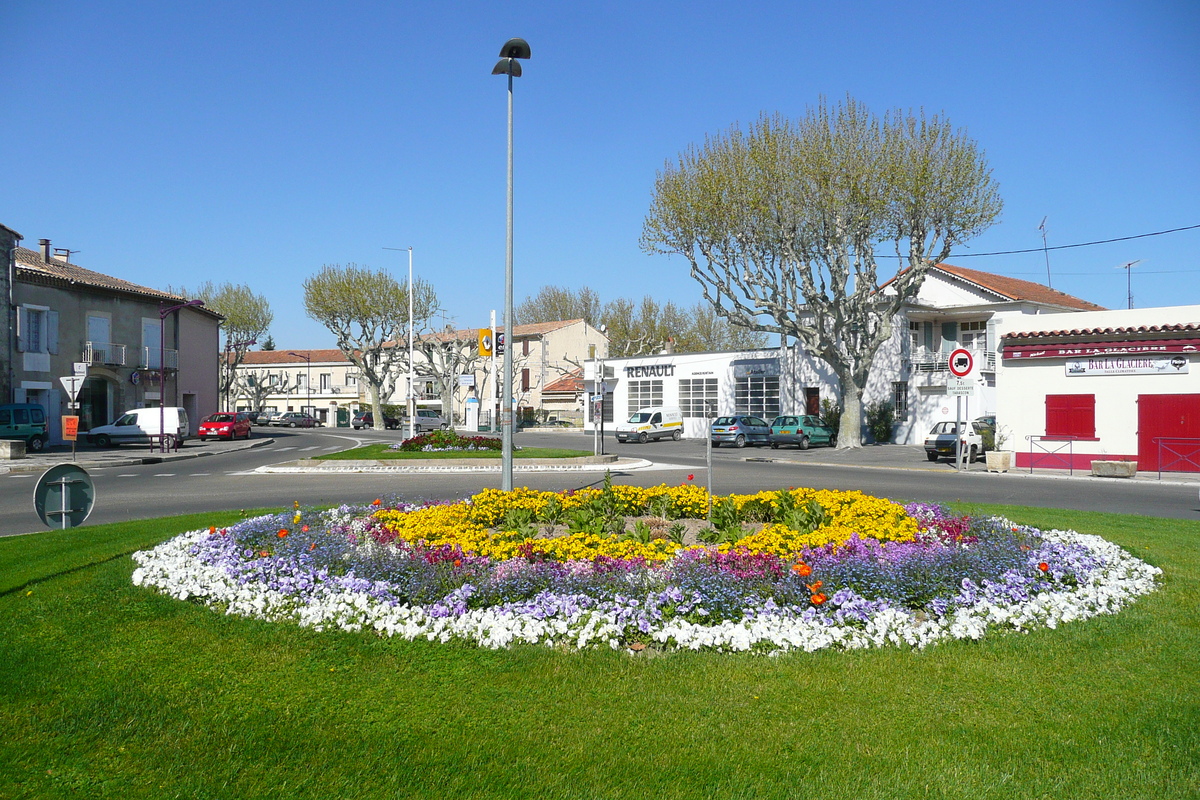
x: 956, y: 308
x: 321, y: 382
x: 1120, y: 385
x: 134, y: 346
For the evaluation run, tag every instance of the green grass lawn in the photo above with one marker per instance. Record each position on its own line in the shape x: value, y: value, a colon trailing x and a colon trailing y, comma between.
x: 373, y: 452
x: 109, y: 690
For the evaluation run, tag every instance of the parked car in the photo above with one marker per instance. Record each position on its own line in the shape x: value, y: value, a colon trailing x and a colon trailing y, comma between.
x: 366, y: 419
x: 225, y: 425
x: 265, y: 417
x: 943, y: 438
x: 294, y: 419
x: 740, y: 430
x: 802, y: 431
x: 25, y: 421
x: 427, y: 420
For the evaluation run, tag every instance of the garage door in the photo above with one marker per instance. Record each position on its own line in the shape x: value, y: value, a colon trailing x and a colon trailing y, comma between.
x: 1169, y: 432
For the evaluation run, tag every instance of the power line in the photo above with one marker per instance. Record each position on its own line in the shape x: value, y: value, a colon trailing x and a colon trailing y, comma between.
x: 1068, y: 246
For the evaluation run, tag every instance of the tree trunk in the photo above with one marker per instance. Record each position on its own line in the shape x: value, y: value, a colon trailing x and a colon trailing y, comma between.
x: 850, y: 429
x: 377, y: 408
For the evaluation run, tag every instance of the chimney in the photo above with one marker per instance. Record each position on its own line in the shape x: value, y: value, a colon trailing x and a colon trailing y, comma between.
x: 62, y: 254
x: 45, y: 245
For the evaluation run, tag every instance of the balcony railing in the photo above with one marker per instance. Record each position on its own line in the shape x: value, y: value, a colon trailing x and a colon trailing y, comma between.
x: 106, y: 353
x: 149, y: 358
x: 925, y: 360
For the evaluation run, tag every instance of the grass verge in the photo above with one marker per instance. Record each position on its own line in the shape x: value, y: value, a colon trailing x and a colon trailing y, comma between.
x: 111, y: 690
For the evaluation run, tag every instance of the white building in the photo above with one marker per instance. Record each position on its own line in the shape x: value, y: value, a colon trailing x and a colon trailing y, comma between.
x: 1108, y: 385
x: 955, y: 308
x: 321, y: 382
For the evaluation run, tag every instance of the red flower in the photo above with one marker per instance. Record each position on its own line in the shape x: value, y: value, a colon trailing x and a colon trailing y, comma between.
x: 813, y: 587
x: 304, y: 528
x: 691, y: 477
x: 818, y: 598
x: 282, y: 533
x: 1044, y: 567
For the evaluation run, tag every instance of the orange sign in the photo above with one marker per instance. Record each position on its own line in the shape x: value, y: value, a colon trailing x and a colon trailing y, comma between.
x: 70, y: 428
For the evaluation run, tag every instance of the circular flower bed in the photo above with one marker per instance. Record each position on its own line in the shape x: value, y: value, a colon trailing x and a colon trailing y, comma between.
x: 653, y: 567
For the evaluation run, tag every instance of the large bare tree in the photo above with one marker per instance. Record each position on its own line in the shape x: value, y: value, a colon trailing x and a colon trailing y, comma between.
x: 367, y: 310
x: 783, y: 225
x: 247, y: 316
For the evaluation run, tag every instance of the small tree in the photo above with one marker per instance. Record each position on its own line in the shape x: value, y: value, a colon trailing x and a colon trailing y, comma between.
x: 781, y: 225
x: 367, y: 310
x: 880, y: 419
x: 247, y: 316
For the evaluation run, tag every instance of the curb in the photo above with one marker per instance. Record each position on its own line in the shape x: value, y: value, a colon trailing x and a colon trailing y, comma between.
x: 318, y: 468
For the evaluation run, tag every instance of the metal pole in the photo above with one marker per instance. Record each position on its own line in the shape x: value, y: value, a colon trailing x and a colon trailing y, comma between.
x: 506, y: 422
x: 412, y: 406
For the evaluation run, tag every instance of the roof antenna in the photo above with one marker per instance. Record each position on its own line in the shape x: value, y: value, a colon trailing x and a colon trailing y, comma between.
x: 1046, y: 251
x: 1128, y: 267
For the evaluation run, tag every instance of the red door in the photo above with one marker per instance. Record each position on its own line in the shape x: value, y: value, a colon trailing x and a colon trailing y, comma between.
x: 1169, y: 417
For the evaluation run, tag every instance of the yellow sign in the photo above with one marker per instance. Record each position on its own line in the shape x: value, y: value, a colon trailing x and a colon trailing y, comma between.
x: 485, y: 341
x: 70, y: 428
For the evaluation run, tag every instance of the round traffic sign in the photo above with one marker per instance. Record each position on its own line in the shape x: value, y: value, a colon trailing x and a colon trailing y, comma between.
x: 64, y: 496
x: 961, y: 363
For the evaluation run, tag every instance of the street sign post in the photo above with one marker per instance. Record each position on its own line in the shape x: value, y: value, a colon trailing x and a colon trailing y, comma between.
x: 961, y: 365
x: 72, y: 383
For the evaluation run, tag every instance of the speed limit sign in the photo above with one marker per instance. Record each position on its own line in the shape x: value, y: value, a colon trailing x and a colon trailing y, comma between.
x: 962, y: 363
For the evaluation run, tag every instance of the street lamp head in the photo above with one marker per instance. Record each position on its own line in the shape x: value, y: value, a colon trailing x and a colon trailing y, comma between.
x: 507, y: 66
x: 515, y: 48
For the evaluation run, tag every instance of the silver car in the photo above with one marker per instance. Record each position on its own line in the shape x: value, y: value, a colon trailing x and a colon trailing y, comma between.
x: 740, y: 430
x: 427, y: 420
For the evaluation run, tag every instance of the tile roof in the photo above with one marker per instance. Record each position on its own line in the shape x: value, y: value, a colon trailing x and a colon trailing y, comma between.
x: 1157, y: 331
x: 571, y: 382
x: 30, y: 265
x: 470, y: 334
x: 276, y: 357
x: 1016, y: 289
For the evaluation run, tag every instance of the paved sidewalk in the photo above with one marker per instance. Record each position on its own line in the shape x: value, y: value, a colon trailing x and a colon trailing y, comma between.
x: 92, y: 457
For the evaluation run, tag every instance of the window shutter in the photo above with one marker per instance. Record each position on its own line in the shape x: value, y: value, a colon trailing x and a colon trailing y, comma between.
x: 52, y: 332
x: 22, y: 326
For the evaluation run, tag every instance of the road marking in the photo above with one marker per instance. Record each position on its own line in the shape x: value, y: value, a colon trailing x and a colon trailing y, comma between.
x: 314, y: 447
x: 200, y: 474
x: 20, y: 475
x: 283, y: 449
x: 128, y: 475
x: 164, y: 474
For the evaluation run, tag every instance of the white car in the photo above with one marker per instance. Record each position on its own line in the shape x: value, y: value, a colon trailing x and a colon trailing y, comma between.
x: 943, y: 437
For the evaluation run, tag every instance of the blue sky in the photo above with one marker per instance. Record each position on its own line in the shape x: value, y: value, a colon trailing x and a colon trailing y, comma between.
x: 253, y: 142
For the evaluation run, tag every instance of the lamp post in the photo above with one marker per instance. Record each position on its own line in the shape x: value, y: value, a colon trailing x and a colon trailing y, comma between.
x: 410, y: 403
x: 308, y: 378
x: 508, y: 65
x: 163, y: 313
x: 233, y: 346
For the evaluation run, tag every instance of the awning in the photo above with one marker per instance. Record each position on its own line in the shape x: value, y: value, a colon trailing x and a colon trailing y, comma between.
x: 1084, y: 349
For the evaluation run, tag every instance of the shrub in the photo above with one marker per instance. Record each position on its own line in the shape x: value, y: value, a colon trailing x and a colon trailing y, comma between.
x: 880, y: 419
x: 831, y: 414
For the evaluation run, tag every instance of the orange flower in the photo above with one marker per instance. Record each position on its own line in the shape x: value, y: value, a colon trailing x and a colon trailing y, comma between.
x: 212, y: 528
x: 458, y: 562
x: 1044, y: 567
x: 263, y: 553
x: 377, y: 502
x: 282, y: 533
x: 813, y: 587
x: 818, y: 598
x: 312, y: 547
x: 295, y: 504
x: 803, y: 570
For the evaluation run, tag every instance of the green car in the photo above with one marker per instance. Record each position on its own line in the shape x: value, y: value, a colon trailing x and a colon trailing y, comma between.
x: 801, y: 431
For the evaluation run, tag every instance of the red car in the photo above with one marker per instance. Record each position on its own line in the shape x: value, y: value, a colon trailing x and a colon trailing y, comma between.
x: 225, y: 425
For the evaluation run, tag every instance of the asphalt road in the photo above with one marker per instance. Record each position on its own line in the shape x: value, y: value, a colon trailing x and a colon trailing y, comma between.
x: 228, y: 481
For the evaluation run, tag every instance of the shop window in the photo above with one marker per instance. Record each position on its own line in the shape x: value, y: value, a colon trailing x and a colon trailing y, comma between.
x: 1071, y: 416
x: 697, y: 397
x: 757, y: 395
x: 643, y: 394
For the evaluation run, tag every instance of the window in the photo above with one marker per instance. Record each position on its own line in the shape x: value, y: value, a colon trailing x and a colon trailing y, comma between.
x: 326, y: 381
x: 644, y: 393
x: 900, y: 399
x: 757, y: 394
x: 973, y: 335
x: 914, y: 335
x: 351, y: 379
x: 1071, y: 416
x: 37, y: 330
x: 696, y: 395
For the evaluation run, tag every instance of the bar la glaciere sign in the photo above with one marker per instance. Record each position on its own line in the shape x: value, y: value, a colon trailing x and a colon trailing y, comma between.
x: 1163, y: 357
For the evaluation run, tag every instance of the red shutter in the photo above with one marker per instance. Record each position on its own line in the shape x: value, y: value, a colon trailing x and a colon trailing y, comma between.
x: 524, y: 380
x: 1071, y: 415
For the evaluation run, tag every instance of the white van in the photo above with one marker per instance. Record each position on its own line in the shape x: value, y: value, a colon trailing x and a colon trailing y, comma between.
x: 655, y: 422
x: 139, y: 424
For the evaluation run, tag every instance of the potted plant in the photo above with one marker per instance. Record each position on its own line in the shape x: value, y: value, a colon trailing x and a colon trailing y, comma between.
x: 998, y: 459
